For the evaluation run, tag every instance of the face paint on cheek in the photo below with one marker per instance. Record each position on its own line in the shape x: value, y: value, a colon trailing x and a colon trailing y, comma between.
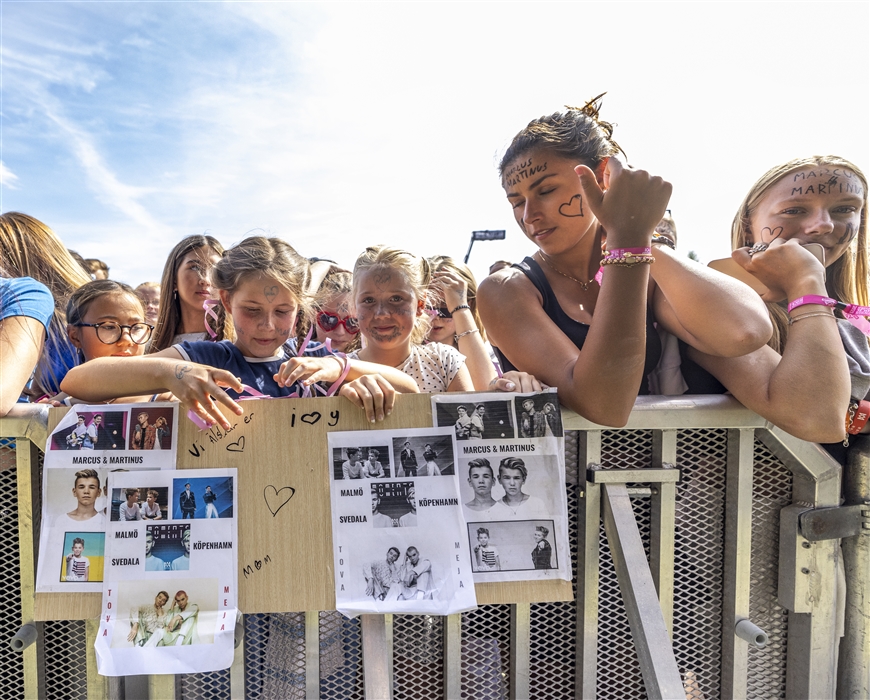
x: 768, y: 235
x: 573, y: 208
x: 848, y: 235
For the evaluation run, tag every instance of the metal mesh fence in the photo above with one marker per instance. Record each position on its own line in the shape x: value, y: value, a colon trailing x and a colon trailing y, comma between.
x: 11, y: 663
x: 418, y: 656
x: 698, y: 560
x: 65, y: 649
x: 486, y: 653
x: 771, y: 491
x: 275, y: 643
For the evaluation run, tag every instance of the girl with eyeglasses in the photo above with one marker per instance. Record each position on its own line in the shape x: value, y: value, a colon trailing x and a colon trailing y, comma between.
x: 262, y: 284
x: 106, y: 319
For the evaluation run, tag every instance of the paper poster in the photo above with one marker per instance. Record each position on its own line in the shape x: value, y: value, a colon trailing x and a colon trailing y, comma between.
x: 89, y: 443
x: 397, y: 530
x: 511, y: 471
x: 170, y: 582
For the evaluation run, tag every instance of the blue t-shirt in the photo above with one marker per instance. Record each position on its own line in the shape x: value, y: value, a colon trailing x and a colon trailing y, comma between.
x: 24, y: 296
x: 254, y: 372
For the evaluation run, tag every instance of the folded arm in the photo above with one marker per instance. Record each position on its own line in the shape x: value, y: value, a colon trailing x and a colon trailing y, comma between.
x: 710, y: 311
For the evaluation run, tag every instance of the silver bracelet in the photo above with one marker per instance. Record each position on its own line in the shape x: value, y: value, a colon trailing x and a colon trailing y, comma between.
x: 462, y: 335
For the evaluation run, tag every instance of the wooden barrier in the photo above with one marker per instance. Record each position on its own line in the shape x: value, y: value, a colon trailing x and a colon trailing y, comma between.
x: 285, y: 532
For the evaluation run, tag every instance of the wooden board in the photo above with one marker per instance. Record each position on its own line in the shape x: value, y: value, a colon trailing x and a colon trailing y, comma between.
x: 285, y: 533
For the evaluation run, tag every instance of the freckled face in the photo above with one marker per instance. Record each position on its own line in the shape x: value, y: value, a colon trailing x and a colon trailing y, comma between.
x: 386, y: 307
x: 547, y: 201
x: 814, y: 205
x: 264, y: 315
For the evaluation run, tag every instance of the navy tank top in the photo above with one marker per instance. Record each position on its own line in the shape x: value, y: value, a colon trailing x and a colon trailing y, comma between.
x: 575, y: 330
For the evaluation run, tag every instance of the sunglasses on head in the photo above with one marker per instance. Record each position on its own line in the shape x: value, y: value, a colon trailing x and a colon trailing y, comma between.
x: 329, y: 322
x: 440, y: 312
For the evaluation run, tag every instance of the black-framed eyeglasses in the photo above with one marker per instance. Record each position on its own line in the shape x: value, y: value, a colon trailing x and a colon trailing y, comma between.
x: 109, y: 332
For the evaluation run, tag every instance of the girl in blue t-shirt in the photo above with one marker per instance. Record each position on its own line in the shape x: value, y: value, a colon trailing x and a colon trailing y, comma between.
x: 262, y: 283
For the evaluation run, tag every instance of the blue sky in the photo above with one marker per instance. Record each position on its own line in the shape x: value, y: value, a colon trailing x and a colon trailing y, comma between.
x: 126, y: 125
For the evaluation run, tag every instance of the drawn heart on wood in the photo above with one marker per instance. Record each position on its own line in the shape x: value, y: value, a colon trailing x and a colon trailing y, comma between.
x: 276, y: 499
x: 271, y: 292
x: 570, y: 209
x: 310, y: 418
x: 237, y: 446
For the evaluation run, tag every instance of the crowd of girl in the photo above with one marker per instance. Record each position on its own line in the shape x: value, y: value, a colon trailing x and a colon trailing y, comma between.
x: 601, y: 309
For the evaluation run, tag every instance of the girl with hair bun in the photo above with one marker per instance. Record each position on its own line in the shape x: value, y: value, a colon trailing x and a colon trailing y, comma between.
x: 591, y: 335
x: 812, y: 377
x: 262, y: 285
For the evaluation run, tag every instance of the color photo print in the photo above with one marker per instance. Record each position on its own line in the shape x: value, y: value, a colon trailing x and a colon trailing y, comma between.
x: 93, y: 430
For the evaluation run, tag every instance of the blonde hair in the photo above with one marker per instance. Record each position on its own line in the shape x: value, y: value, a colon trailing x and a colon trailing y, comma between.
x: 416, y: 271
x: 259, y: 256
x: 29, y: 248
x: 169, y: 314
x: 847, y: 277
x: 444, y: 262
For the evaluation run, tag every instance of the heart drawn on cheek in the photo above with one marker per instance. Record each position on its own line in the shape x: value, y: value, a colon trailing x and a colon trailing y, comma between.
x: 572, y: 209
x: 773, y: 233
x: 271, y: 292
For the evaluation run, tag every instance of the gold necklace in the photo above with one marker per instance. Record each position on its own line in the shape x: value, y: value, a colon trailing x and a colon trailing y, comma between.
x: 584, y: 285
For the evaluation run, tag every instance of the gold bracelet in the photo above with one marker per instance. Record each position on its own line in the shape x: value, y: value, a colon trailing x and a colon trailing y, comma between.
x: 629, y: 261
x: 794, y: 319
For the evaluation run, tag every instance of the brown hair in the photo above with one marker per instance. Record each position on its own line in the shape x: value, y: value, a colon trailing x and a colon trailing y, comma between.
x: 578, y: 133
x: 29, y: 248
x: 847, y: 277
x: 169, y: 315
x: 267, y: 257
x: 415, y: 270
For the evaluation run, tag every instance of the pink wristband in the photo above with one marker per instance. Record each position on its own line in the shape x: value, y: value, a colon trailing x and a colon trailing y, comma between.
x: 621, y: 252
x: 811, y: 299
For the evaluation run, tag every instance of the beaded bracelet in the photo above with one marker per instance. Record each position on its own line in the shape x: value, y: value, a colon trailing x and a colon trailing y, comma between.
x: 629, y: 260
x: 663, y: 240
x: 459, y: 308
x: 462, y: 335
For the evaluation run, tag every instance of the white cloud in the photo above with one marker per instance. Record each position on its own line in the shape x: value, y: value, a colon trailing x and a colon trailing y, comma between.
x: 7, y: 177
